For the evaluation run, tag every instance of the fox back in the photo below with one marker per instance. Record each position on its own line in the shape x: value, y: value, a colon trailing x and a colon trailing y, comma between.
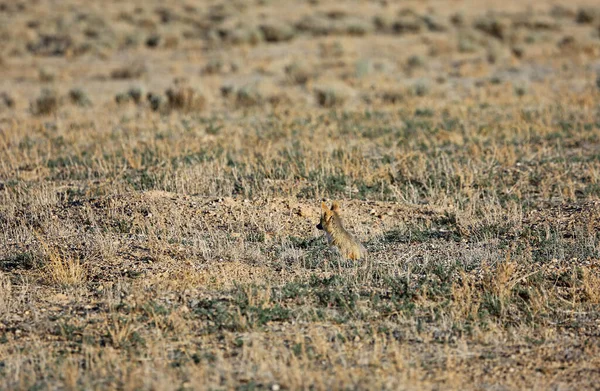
x: 337, y: 236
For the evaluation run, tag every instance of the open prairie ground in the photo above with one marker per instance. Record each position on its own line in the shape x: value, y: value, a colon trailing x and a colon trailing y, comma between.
x: 162, y: 168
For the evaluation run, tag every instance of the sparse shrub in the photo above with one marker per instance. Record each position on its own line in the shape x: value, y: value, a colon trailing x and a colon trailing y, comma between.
x: 213, y: 66
x: 136, y: 94
x: 357, y: 26
x: 213, y: 129
x: 130, y: 41
x: 47, y: 75
x: 493, y: 25
x: 166, y: 15
x: 421, y: 88
x: 255, y: 93
x: 79, y: 97
x: 392, y: 96
x: 334, y: 22
x: 333, y: 94
x: 51, y: 45
x: 132, y: 71
x: 560, y: 12
x: 537, y: 22
x: 331, y: 50
x: 242, y: 34
x: 21, y: 260
x: 424, y: 112
x: 171, y: 41
x: 156, y: 101
x: 227, y: 90
x: 383, y: 22
x: 121, y: 332
x: 467, y: 41
x: 567, y: 42
x: 587, y: 15
x: 277, y: 31
x: 496, y: 52
x: 518, y: 51
x: 248, y: 95
x: 6, y: 101
x: 440, y: 46
x: 496, y: 80
x: 153, y: 40
x: 278, y: 98
x: 46, y: 103
x: 415, y: 61
x: 408, y: 22
x: 185, y: 99
x: 220, y: 12
x: 520, y: 90
x: 458, y: 19
x: 336, y: 14
x: 435, y: 23
x: 316, y: 25
x: 298, y: 73
x: 122, y: 97
x: 62, y: 269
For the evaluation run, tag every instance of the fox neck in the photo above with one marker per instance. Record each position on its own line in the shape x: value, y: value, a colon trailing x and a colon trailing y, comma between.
x: 336, y: 232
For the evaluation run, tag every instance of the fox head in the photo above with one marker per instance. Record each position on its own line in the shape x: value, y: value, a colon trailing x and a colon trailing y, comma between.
x: 328, y: 215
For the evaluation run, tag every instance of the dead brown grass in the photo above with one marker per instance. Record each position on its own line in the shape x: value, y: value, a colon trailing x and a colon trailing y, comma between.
x: 171, y: 243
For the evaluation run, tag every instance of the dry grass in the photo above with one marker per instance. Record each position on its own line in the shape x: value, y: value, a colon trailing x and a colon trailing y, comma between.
x: 62, y: 270
x: 161, y: 234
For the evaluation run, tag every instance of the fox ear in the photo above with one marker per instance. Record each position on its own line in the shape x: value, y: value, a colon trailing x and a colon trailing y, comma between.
x: 335, y: 206
x: 324, y: 207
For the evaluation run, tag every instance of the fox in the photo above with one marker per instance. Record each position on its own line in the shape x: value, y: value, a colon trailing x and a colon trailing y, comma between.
x: 337, y: 236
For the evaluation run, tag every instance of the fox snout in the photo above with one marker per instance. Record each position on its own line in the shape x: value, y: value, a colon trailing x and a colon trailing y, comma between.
x: 319, y: 226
